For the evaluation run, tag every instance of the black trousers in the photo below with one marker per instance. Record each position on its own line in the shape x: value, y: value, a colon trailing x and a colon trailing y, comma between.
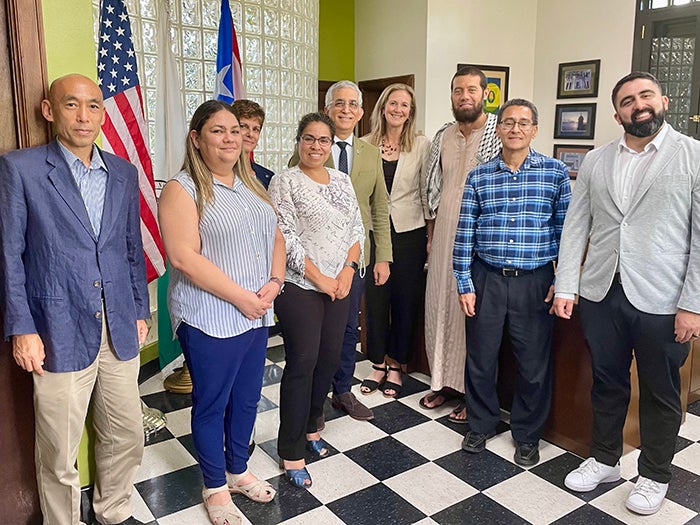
x: 393, y: 310
x: 613, y: 327
x: 313, y: 328
x: 515, y: 304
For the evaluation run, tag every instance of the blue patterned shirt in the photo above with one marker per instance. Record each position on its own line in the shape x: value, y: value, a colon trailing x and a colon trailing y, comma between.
x: 511, y: 219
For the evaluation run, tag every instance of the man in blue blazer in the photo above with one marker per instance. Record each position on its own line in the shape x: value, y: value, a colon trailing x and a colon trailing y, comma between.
x: 75, y: 301
x: 634, y: 224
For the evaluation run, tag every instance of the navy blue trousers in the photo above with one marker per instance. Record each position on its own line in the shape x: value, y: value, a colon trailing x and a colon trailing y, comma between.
x: 515, y: 304
x: 226, y: 382
x: 342, y: 381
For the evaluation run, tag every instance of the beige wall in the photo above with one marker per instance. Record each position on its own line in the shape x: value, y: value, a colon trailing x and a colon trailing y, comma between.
x: 390, y: 41
x: 568, y: 31
x: 478, y: 32
x: 430, y: 37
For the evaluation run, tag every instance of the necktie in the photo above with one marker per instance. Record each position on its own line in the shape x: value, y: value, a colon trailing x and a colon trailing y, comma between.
x: 343, y: 158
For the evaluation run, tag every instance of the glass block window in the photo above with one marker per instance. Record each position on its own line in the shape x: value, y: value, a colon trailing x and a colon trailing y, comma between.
x: 278, y: 40
x: 671, y: 62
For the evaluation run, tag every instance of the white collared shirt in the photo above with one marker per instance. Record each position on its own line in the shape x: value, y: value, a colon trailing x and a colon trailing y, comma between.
x: 630, y: 167
x: 335, y: 151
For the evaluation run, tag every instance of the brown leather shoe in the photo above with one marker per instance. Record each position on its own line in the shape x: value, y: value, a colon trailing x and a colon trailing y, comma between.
x: 349, y: 403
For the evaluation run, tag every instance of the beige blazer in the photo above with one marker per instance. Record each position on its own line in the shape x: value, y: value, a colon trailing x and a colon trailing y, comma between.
x: 656, y: 243
x: 408, y: 198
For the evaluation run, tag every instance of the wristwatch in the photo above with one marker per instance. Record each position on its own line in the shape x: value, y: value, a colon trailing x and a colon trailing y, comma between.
x: 279, y: 282
x: 352, y: 264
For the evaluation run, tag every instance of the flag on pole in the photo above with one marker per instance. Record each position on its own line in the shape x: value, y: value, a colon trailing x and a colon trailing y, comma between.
x: 170, y: 121
x: 171, y: 130
x: 124, y: 132
x: 229, y: 73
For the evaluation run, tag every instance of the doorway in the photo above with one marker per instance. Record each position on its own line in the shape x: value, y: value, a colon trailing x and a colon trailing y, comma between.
x: 666, y: 45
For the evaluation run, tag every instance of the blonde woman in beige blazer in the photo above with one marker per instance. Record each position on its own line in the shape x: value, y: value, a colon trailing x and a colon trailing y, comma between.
x: 393, y: 309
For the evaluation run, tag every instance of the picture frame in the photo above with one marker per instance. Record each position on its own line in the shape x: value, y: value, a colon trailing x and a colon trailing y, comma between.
x: 572, y: 155
x: 497, y: 78
x: 575, y: 121
x: 578, y: 79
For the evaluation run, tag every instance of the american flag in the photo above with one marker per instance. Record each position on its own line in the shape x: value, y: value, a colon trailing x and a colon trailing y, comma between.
x: 124, y: 131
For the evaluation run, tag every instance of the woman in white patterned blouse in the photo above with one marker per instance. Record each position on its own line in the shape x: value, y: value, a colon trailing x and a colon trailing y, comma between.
x: 322, y: 227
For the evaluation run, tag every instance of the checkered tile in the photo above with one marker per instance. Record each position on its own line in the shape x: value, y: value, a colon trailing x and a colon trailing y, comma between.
x: 405, y: 466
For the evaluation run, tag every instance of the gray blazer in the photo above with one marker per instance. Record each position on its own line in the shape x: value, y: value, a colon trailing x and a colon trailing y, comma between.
x: 656, y: 243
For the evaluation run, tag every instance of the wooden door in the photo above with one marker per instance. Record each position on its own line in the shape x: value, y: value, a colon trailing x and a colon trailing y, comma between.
x: 23, y: 83
x: 371, y: 89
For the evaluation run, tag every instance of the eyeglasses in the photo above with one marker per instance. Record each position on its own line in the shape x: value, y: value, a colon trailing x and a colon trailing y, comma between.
x: 310, y: 139
x: 341, y: 103
x: 509, y: 124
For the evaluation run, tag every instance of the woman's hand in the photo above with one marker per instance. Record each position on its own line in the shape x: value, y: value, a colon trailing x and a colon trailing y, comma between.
x: 344, y: 282
x: 252, y: 306
x: 269, y: 291
x: 328, y: 285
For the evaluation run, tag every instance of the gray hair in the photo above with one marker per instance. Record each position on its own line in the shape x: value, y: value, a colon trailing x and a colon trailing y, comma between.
x: 340, y: 85
x: 519, y: 102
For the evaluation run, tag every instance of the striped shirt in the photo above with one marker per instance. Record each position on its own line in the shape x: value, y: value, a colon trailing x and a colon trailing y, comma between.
x: 92, y: 183
x: 511, y: 219
x: 237, y: 234
x: 318, y: 221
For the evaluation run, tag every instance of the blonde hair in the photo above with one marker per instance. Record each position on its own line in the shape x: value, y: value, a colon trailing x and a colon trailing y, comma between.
x: 378, y: 122
x: 197, y: 169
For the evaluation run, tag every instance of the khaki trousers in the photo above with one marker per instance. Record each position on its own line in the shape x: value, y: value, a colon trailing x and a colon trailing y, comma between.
x: 61, y: 402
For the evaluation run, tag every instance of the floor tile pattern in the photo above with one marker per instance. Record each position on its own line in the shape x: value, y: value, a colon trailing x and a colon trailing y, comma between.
x: 406, y: 466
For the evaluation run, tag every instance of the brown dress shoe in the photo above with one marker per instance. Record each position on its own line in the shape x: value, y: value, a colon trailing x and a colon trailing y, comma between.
x: 349, y: 404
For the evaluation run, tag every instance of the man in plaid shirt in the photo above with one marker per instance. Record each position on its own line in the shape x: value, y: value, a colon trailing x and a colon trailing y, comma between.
x: 507, y: 239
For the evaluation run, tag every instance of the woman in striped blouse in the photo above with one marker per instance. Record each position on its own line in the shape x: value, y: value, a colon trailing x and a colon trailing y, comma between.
x: 227, y: 256
x: 320, y: 219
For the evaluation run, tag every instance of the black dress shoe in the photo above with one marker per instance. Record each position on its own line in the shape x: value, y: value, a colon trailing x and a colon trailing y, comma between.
x: 527, y: 454
x: 474, y: 442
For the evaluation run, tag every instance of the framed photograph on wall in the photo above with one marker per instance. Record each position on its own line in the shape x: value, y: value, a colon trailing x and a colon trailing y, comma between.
x: 571, y: 155
x: 497, y: 83
x: 578, y: 79
x: 574, y: 121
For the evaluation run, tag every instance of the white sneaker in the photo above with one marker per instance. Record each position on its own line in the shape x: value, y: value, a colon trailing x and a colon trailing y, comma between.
x: 646, y: 496
x: 590, y: 474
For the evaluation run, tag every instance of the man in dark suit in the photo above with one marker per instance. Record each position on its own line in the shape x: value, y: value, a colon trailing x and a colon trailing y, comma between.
x: 75, y: 301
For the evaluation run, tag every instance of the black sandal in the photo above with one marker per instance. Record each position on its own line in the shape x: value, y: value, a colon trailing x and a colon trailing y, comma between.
x: 390, y: 385
x: 370, y: 384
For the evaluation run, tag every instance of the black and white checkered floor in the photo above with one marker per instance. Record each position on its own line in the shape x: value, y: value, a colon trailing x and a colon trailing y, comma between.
x: 405, y: 466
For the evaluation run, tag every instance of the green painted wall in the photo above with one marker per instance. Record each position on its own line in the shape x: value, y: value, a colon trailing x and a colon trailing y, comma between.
x: 68, y: 33
x: 336, y: 40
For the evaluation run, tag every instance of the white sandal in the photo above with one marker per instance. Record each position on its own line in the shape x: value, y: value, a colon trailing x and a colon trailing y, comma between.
x: 220, y: 514
x: 258, y: 490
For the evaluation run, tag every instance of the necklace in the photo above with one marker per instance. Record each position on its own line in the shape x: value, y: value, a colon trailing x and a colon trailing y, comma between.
x: 388, y: 149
